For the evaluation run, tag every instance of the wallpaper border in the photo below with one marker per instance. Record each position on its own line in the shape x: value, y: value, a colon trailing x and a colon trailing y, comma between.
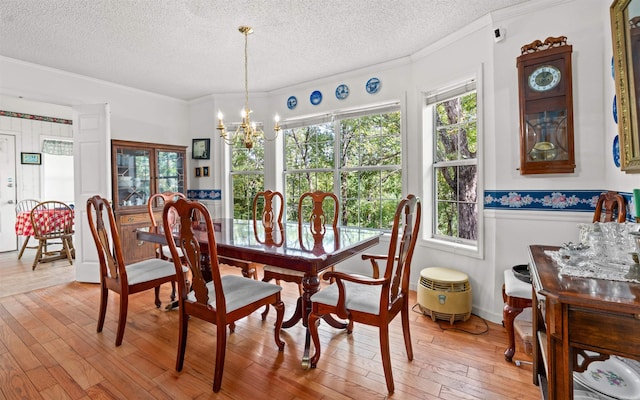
x: 549, y: 200
x: 35, y: 117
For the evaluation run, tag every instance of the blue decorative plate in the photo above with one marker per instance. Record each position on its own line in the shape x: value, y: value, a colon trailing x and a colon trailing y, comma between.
x: 292, y: 102
x: 616, y: 151
x: 373, y: 85
x: 613, y: 71
x: 615, y: 109
x: 316, y: 97
x: 342, y: 92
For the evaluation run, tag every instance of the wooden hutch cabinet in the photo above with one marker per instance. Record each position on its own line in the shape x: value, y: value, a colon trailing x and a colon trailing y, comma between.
x: 139, y: 170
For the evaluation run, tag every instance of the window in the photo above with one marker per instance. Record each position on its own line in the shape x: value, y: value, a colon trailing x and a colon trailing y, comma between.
x: 356, y: 154
x: 247, y: 177
x: 453, y: 116
x: 57, y: 176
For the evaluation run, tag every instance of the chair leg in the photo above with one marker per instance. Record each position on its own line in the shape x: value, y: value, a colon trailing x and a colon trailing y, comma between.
x: 386, y: 357
x: 66, y: 248
x: 221, y: 348
x: 38, y: 254
x: 173, y: 290
x: 312, y: 325
x: 265, y: 312
x: 279, y: 306
x: 404, y: 314
x: 182, y: 340
x: 24, y: 246
x: 266, y: 308
x: 104, y: 295
x: 157, y: 294
x: 122, y: 317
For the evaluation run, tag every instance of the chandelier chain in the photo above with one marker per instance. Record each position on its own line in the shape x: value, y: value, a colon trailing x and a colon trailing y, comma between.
x: 246, y: 72
x: 247, y: 131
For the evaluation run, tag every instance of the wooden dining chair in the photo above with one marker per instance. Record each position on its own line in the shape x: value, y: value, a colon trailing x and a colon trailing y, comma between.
x: 316, y: 210
x: 52, y: 221
x: 373, y: 301
x: 117, y: 276
x: 156, y: 201
x: 268, y: 213
x: 610, y: 207
x: 223, y: 300
x: 25, y: 206
x: 268, y: 210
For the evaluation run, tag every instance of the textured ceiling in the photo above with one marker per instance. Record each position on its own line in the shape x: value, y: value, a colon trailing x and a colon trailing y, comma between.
x: 191, y: 48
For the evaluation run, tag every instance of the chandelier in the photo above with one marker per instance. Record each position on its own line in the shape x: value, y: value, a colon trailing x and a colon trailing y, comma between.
x: 247, y: 130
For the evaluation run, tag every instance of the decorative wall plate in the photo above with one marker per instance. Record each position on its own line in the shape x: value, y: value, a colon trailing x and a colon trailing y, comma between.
x: 292, y: 102
x: 613, y: 71
x: 616, y: 151
x: 615, y: 109
x: 316, y: 97
x: 342, y: 92
x: 373, y: 85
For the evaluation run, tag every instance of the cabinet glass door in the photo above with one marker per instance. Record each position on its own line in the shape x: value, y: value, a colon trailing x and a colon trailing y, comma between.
x: 170, y: 171
x: 134, y: 176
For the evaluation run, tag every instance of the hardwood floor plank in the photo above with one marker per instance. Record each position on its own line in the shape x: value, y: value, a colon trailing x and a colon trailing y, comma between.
x: 41, y: 378
x: 67, y: 383
x: 14, y: 383
x: 13, y: 341
x: 49, y: 348
x: 81, y: 370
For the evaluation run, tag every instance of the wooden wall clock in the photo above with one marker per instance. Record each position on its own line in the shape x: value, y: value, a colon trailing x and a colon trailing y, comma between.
x: 546, y: 107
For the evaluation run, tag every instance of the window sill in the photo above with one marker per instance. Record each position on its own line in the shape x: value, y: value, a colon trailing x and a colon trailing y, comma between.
x: 454, y: 248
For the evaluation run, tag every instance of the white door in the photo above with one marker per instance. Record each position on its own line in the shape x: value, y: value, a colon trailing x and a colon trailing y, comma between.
x: 8, y: 241
x: 92, y: 175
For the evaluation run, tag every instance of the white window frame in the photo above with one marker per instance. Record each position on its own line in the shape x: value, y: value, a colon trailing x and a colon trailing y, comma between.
x: 334, y: 118
x: 460, y: 247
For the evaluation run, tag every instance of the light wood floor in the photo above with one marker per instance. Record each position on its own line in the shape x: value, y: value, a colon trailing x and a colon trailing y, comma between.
x: 49, y: 349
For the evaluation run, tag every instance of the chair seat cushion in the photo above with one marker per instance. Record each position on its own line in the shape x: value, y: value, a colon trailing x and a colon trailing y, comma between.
x: 282, y: 271
x: 148, y: 270
x: 167, y: 253
x: 239, y: 291
x: 514, y: 287
x: 363, y: 298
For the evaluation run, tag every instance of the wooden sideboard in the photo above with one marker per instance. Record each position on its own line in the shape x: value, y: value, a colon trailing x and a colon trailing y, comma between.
x: 576, y: 314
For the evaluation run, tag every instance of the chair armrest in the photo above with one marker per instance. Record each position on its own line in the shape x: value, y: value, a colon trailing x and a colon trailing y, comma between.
x: 374, y: 262
x: 341, y: 276
x: 374, y: 258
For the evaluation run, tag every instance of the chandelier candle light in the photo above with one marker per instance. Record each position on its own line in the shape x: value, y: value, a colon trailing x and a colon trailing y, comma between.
x: 247, y: 129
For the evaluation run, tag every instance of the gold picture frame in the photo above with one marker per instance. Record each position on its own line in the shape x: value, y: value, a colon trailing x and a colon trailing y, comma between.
x: 625, y: 31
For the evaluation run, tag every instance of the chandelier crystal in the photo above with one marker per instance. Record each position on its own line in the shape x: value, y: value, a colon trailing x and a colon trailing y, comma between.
x: 247, y: 130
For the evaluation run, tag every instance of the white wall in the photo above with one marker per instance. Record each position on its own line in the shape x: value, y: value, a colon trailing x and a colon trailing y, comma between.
x: 135, y: 115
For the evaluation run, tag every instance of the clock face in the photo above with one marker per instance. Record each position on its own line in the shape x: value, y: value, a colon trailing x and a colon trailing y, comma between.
x: 544, y: 78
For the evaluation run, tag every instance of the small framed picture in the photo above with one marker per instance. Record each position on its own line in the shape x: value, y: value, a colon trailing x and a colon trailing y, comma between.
x: 31, y: 158
x: 201, y: 149
x: 198, y: 172
x: 205, y: 171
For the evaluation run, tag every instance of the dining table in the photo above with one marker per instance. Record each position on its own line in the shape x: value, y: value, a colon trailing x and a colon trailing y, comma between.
x: 48, y: 219
x: 299, y: 250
